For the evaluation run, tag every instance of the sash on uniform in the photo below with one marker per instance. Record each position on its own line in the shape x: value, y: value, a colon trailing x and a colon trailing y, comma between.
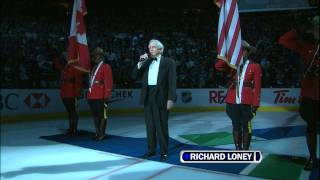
x: 311, y: 63
x: 240, y: 79
x: 94, y: 75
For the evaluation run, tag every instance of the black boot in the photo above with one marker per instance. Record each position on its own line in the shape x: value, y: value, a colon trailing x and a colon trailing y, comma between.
x: 102, y: 129
x: 312, y: 147
x: 246, y: 140
x: 69, y: 131
x: 237, y: 139
x: 96, y: 125
x: 75, y: 124
x: 310, y: 164
x: 74, y: 127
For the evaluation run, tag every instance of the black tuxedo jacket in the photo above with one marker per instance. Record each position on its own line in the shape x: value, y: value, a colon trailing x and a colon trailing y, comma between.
x: 166, y: 82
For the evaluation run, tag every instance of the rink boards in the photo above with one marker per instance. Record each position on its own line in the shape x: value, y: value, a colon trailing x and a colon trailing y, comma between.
x: 20, y: 102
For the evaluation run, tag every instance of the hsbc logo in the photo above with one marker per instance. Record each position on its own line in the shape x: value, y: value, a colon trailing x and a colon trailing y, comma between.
x: 37, y: 100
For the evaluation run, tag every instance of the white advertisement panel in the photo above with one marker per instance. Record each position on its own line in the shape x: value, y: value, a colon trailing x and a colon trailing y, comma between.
x: 34, y: 101
x: 216, y: 97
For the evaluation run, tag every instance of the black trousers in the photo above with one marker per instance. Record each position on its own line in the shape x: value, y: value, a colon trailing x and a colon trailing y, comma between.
x: 309, y: 111
x: 70, y: 105
x: 156, y: 119
x: 99, y: 115
x: 241, y: 115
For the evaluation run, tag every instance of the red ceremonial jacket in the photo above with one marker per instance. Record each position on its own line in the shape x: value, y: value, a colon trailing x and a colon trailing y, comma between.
x: 71, y: 82
x: 251, y: 85
x: 310, y: 82
x: 100, y: 85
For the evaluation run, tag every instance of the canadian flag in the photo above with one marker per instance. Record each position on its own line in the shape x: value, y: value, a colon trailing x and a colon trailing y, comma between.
x: 78, y: 52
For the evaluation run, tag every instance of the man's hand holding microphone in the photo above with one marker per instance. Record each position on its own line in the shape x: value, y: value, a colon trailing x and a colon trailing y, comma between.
x: 142, y: 59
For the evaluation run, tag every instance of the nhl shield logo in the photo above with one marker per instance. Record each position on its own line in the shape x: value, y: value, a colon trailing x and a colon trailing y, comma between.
x: 186, y: 96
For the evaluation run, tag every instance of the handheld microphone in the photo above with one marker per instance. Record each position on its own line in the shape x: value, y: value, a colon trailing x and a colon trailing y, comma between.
x: 145, y: 58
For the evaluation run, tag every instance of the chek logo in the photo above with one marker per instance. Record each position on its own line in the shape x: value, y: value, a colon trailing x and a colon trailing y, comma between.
x: 37, y: 100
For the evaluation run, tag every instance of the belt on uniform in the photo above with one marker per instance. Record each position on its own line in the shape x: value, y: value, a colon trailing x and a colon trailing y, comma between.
x: 312, y: 72
x: 68, y: 80
x: 245, y: 84
x: 97, y: 82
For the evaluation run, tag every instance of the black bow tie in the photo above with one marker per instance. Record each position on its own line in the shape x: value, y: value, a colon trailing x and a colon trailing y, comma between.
x: 154, y: 59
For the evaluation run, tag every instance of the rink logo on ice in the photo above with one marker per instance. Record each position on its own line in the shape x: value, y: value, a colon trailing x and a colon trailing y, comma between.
x: 193, y: 156
x: 37, y: 100
x: 186, y: 96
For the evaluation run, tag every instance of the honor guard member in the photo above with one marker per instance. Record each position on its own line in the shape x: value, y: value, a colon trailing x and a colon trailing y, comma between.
x: 100, y: 87
x: 308, y: 48
x: 243, y: 96
x: 70, y: 90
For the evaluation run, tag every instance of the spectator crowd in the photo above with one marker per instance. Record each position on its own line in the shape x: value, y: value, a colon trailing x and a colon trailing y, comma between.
x: 33, y: 47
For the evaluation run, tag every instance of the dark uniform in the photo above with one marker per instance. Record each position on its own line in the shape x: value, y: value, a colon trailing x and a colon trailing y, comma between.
x: 242, y: 109
x: 71, y: 85
x: 309, y: 104
x: 100, y: 87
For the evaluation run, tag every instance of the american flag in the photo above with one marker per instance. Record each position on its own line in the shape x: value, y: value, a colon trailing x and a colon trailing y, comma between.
x: 229, y: 33
x: 78, y: 51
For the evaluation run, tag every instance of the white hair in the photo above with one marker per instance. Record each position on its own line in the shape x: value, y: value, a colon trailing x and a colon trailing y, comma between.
x: 157, y: 44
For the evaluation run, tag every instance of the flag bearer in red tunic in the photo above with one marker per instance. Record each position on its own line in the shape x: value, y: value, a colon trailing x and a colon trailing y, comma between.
x: 243, y: 96
x: 100, y: 87
x: 71, y: 85
x: 308, y: 49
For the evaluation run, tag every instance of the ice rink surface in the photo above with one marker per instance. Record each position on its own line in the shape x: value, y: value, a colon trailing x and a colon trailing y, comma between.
x: 26, y: 156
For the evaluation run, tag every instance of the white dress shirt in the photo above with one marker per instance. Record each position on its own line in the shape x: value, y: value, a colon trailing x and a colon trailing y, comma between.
x: 153, y: 71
